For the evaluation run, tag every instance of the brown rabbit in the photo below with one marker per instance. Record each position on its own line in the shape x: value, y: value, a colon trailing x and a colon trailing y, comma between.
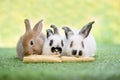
x: 32, y: 41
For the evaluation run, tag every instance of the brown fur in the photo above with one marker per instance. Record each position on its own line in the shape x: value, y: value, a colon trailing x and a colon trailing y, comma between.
x: 25, y: 48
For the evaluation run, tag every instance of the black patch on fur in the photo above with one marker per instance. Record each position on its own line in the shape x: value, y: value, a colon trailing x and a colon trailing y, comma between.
x: 82, y: 44
x: 62, y: 43
x: 53, y: 49
x: 66, y: 35
x: 49, y: 32
x: 71, y: 44
x: 80, y: 53
x: 74, y: 52
x: 51, y: 42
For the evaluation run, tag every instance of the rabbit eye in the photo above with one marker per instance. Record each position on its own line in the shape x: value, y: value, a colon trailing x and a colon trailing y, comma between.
x: 31, y: 42
x: 51, y: 42
x: 62, y: 43
x: 71, y: 44
x: 82, y: 44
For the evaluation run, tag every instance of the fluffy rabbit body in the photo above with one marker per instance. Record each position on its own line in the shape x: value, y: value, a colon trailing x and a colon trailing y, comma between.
x: 79, y: 42
x: 32, y: 40
x: 53, y: 43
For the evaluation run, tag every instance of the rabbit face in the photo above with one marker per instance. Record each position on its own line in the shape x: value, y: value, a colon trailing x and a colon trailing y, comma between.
x: 78, y: 41
x: 32, y: 43
x: 54, y: 42
x: 75, y: 45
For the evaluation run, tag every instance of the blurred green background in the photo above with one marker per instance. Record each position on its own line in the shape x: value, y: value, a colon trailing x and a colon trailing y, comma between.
x: 74, y: 13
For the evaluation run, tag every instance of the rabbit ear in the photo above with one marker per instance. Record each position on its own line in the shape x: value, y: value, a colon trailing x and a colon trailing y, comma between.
x: 86, y: 29
x: 55, y: 29
x: 38, y: 26
x: 27, y: 25
x: 68, y: 31
x: 49, y: 32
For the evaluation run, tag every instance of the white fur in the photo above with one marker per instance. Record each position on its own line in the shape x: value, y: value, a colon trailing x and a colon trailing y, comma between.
x: 89, y: 45
x: 56, y: 42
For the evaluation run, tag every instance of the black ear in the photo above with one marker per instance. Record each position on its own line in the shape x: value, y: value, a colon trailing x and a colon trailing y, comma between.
x: 49, y: 32
x: 86, y: 29
x: 55, y: 29
x: 68, y: 32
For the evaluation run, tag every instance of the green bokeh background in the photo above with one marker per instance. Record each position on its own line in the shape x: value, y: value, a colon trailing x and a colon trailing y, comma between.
x: 74, y: 13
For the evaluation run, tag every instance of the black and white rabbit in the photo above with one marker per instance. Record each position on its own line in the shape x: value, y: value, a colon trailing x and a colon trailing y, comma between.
x: 80, y: 42
x: 54, y: 42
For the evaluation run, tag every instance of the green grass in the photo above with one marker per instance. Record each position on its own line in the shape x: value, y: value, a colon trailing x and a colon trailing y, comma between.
x: 105, y: 67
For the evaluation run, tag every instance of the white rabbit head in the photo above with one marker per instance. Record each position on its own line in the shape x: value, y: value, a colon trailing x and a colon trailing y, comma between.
x: 76, y: 45
x: 54, y: 41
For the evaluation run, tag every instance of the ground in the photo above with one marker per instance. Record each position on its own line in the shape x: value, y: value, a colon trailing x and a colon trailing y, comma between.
x: 106, y: 66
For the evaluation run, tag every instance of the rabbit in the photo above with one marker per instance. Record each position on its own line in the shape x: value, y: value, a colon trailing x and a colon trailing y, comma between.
x: 80, y: 42
x: 54, y: 42
x: 31, y: 42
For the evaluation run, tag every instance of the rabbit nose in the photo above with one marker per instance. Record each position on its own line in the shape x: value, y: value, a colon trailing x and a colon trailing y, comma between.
x: 56, y: 49
x: 59, y: 49
x: 74, y: 52
x: 80, y: 53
